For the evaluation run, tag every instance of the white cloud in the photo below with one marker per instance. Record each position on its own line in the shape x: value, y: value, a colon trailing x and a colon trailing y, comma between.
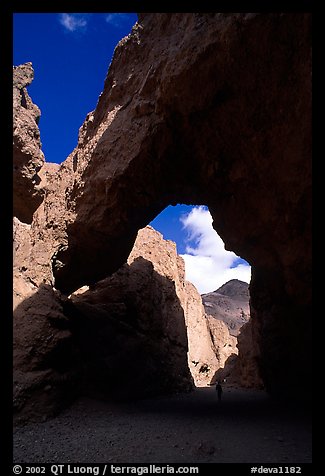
x: 116, y: 19
x: 72, y: 22
x: 207, y: 264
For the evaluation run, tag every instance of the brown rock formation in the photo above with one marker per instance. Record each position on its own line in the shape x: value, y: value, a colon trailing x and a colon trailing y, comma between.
x: 203, y: 354
x: 198, y: 108
x: 213, y: 116
x: 245, y: 369
x: 46, y: 362
x: 228, y: 307
x: 144, y: 307
x: 230, y: 304
x: 224, y: 343
x: 132, y: 326
x: 241, y: 368
x: 137, y: 333
x: 123, y: 338
x: 209, y: 341
x: 27, y: 155
x: 202, y: 357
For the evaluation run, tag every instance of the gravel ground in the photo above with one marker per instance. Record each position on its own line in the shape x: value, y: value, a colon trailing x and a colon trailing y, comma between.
x: 245, y: 427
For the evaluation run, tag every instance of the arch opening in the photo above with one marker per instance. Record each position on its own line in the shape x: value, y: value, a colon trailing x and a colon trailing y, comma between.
x: 180, y: 331
x: 216, y: 306
x: 208, y: 265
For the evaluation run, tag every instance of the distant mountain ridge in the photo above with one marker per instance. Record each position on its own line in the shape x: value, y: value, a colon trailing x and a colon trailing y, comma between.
x: 234, y: 288
x: 230, y: 304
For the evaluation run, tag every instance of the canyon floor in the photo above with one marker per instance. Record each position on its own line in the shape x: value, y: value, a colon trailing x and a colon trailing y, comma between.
x: 245, y: 427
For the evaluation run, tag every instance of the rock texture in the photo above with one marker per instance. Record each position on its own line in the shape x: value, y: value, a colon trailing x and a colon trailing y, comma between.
x: 46, y: 368
x: 241, y: 368
x: 148, y: 303
x: 131, y: 326
x: 210, y: 108
x: 209, y: 343
x: 213, y: 116
x: 227, y: 309
x: 245, y: 370
x: 46, y: 362
x: 230, y: 304
x: 225, y: 344
x: 142, y: 331
x: 27, y: 155
x: 123, y: 338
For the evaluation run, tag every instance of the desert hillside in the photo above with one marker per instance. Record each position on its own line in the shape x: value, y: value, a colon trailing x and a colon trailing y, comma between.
x: 230, y: 304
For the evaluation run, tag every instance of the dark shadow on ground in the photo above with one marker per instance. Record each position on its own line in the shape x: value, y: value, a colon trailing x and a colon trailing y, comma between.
x: 246, y: 427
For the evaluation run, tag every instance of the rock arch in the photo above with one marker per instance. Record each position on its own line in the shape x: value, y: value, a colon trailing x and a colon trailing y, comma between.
x: 215, y: 109
x: 207, y: 108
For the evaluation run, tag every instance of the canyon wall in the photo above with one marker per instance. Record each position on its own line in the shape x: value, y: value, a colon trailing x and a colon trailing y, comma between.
x: 140, y: 332
x: 27, y: 155
x: 217, y: 109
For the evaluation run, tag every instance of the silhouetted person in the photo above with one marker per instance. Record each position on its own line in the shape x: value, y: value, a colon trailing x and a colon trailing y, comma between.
x: 219, y: 390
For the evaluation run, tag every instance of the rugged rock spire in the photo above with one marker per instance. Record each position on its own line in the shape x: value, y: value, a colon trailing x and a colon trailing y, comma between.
x: 27, y: 155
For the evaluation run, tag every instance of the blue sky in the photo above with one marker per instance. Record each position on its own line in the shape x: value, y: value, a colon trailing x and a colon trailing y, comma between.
x: 71, y: 53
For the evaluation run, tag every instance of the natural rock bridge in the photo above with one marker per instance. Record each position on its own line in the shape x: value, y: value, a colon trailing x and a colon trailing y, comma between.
x: 210, y: 108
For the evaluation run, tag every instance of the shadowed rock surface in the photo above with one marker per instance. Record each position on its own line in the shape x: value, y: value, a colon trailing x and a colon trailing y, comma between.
x: 141, y: 332
x: 242, y: 368
x: 131, y: 326
x: 124, y: 338
x: 229, y: 305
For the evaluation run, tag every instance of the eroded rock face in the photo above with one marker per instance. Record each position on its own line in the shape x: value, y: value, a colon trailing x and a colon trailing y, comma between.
x: 141, y: 332
x: 228, y: 316
x: 149, y: 325
x: 27, y: 155
x: 224, y: 343
x: 245, y: 370
x: 209, y: 341
x: 131, y: 326
x: 47, y: 371
x: 216, y: 112
x: 124, y: 338
x: 230, y: 304
x: 241, y: 368
x: 202, y: 357
x: 198, y: 108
